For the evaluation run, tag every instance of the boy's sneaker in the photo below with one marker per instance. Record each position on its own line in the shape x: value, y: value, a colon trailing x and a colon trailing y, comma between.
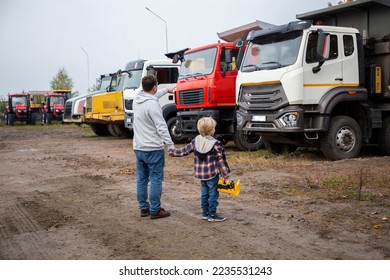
x: 216, y: 218
x: 145, y: 212
x: 205, y: 216
x: 160, y: 214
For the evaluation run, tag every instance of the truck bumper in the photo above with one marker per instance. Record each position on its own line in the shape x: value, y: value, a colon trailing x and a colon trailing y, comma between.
x: 290, y: 124
x: 187, y: 121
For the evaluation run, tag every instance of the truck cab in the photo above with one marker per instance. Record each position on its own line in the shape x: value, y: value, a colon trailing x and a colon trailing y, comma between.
x: 206, y: 87
x: 315, y: 85
x: 104, y: 110
x: 74, y: 109
x: 167, y: 73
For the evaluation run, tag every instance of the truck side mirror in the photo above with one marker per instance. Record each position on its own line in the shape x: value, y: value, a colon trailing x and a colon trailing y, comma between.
x: 238, y: 43
x: 228, y: 56
x: 226, y: 61
x: 224, y: 68
x: 176, y: 58
x: 323, y: 46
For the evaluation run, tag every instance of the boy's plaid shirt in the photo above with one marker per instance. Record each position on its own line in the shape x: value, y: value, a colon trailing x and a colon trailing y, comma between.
x: 208, y: 165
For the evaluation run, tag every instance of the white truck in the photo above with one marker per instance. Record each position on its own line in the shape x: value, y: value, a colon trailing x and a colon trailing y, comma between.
x: 167, y: 73
x: 74, y: 109
x: 320, y: 82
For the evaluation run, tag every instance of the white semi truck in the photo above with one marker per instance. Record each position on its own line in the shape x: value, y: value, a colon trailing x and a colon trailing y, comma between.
x: 320, y: 82
x: 167, y: 73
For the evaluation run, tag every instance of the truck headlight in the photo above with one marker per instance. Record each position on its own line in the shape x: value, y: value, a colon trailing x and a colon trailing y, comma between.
x: 289, y: 119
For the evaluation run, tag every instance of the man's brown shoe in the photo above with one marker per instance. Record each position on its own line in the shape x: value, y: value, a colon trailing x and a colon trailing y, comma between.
x: 160, y: 214
x: 145, y: 212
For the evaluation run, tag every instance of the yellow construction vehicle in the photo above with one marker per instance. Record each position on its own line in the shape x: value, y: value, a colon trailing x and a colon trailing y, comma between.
x: 229, y: 187
x: 104, y: 111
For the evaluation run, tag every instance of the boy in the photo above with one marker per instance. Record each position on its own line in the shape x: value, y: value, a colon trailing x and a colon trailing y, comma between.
x: 209, y: 163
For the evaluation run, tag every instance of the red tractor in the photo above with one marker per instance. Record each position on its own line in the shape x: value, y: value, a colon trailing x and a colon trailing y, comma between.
x: 18, y: 108
x: 53, y: 107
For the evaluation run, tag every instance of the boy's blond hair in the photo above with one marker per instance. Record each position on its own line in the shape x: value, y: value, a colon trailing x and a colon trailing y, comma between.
x: 206, y: 125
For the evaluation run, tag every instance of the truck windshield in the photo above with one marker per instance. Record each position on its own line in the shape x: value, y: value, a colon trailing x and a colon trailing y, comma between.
x: 198, y: 63
x: 19, y: 100
x: 132, y: 80
x: 105, y: 84
x: 271, y: 52
x: 56, y: 100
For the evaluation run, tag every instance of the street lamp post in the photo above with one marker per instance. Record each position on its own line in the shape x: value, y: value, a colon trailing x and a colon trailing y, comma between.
x: 87, y: 66
x: 166, y: 26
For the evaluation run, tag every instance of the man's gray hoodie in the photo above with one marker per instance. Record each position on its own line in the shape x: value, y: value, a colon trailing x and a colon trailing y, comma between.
x: 150, y: 128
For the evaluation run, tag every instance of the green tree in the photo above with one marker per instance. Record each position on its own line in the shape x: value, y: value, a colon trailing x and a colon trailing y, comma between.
x: 61, y: 80
x: 3, y: 104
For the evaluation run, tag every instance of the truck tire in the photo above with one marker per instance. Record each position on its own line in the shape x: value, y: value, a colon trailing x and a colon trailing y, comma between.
x: 384, y: 137
x: 176, y: 135
x: 31, y: 120
x: 248, y: 141
x: 49, y: 118
x: 342, y: 140
x: 99, y: 129
x: 118, y: 130
x: 11, y: 119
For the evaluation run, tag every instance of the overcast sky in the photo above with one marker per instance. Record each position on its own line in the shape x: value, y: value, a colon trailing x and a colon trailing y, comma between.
x: 38, y: 37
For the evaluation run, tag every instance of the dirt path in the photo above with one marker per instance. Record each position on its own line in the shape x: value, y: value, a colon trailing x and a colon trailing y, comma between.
x: 67, y: 194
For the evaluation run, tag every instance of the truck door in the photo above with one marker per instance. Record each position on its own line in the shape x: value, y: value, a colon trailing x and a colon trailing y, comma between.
x: 350, y: 63
x: 315, y: 85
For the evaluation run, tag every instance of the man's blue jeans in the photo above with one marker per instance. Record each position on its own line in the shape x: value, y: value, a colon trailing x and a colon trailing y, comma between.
x: 150, y: 166
x: 209, y: 197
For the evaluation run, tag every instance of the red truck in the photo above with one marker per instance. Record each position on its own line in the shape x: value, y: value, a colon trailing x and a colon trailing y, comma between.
x: 206, y: 87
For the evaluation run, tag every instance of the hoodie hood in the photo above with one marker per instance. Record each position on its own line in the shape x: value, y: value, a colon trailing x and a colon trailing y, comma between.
x: 204, y: 144
x: 142, y: 97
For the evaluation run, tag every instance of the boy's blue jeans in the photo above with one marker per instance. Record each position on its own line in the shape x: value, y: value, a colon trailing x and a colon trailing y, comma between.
x: 150, y: 166
x: 209, y: 197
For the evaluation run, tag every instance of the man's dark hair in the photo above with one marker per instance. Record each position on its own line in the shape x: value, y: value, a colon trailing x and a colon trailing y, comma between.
x: 148, y: 82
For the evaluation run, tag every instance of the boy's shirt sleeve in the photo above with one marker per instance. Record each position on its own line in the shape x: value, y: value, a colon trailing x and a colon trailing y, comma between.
x: 186, y: 150
x: 222, y: 164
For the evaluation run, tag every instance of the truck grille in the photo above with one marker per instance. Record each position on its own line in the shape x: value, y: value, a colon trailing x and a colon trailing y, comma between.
x: 191, y: 97
x: 262, y: 97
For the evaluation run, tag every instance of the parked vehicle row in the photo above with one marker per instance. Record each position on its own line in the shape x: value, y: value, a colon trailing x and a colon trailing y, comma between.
x: 316, y: 82
x: 43, y: 106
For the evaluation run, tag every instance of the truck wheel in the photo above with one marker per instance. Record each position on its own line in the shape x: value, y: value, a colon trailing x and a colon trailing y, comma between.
x: 99, y: 129
x: 118, y: 130
x: 49, y: 118
x: 31, y: 120
x: 248, y: 140
x: 384, y: 137
x: 175, y: 133
x: 11, y: 119
x: 342, y: 140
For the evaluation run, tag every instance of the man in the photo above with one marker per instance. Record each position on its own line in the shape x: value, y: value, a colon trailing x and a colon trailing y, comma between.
x: 150, y: 134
